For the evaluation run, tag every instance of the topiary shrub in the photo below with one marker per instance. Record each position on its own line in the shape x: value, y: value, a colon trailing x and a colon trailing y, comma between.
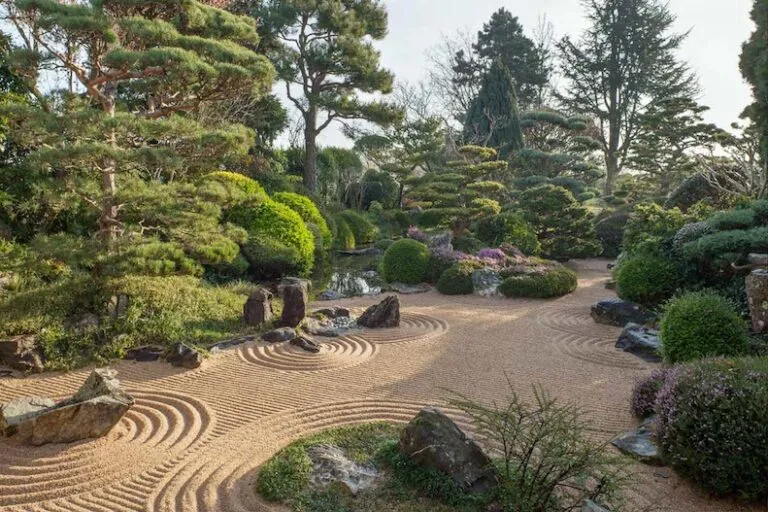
x: 645, y: 391
x: 610, y: 232
x: 690, y: 233
x: 344, y: 238
x: 508, y: 228
x: 467, y: 244
x: 647, y: 279
x: 712, y: 427
x: 364, y: 230
x: 405, y: 262
x: 275, y: 221
x: 271, y: 259
x: 702, y: 324
x: 457, y: 279
x: 554, y: 282
x: 308, y: 211
x: 250, y: 187
x: 649, y: 224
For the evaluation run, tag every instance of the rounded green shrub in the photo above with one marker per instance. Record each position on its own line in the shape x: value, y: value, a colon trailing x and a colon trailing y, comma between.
x: 467, y: 244
x: 702, y: 324
x: 344, y: 238
x: 249, y: 186
x: 508, y: 228
x: 554, y: 282
x: 307, y: 210
x: 405, y: 262
x: 712, y: 425
x: 647, y: 279
x: 364, y: 230
x: 269, y: 258
x: 457, y: 279
x: 278, y: 222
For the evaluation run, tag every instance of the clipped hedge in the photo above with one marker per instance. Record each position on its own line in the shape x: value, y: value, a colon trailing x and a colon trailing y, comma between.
x: 647, y: 279
x: 405, y: 261
x: 250, y: 187
x: 308, y: 211
x: 702, y: 324
x: 554, y: 282
x: 457, y: 279
x: 272, y: 220
x: 364, y: 230
x: 712, y: 428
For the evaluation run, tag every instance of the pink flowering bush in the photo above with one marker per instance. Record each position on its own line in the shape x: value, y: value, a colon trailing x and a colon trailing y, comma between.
x: 492, y: 254
x: 417, y: 234
x: 645, y: 392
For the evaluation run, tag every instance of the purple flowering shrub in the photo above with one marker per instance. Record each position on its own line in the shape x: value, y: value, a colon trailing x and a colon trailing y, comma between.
x: 417, y: 234
x: 491, y: 254
x: 645, y: 392
x: 713, y: 425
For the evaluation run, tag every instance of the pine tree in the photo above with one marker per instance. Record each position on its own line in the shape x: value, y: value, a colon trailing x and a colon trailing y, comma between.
x: 493, y: 118
x: 754, y: 68
x: 624, y: 64
x: 324, y: 53
x: 141, y: 66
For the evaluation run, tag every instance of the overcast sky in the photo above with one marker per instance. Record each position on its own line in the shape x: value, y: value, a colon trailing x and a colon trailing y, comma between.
x: 718, y: 28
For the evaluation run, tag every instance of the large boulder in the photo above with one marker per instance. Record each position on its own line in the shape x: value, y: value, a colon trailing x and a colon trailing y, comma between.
x: 279, y: 335
x: 382, y: 315
x: 640, y: 443
x: 21, y: 353
x: 619, y: 313
x: 757, y: 294
x: 331, y: 465
x: 295, y: 301
x: 258, y: 308
x: 641, y: 341
x: 292, y: 281
x: 92, y: 412
x: 184, y: 356
x: 434, y: 441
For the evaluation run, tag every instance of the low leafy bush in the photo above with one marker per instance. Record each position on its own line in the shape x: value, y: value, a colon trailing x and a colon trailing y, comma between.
x: 647, y: 279
x: 712, y: 428
x: 645, y: 392
x: 649, y: 224
x: 271, y: 259
x: 364, y: 230
x: 344, y: 238
x: 308, y: 212
x: 610, y: 232
x: 248, y: 186
x: 276, y: 221
x: 508, y: 228
x: 554, y: 282
x: 467, y: 244
x: 702, y: 324
x: 457, y: 279
x: 405, y: 262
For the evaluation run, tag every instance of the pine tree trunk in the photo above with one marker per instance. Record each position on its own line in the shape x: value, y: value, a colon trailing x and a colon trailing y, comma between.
x: 757, y: 294
x: 612, y: 171
x: 108, y: 219
x: 310, y: 153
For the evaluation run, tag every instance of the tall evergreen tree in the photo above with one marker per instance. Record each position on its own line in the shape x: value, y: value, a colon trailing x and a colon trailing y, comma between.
x: 140, y: 67
x: 493, y: 119
x: 624, y: 64
x: 324, y: 53
x: 754, y: 68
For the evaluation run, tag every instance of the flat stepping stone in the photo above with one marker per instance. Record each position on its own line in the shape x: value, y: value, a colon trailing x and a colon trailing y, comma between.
x: 639, y: 443
x: 641, y: 341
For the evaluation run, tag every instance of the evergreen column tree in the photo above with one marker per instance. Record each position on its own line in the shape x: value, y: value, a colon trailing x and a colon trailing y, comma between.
x: 493, y: 119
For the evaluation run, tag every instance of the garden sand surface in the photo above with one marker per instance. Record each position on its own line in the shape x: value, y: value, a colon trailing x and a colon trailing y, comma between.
x: 195, y: 439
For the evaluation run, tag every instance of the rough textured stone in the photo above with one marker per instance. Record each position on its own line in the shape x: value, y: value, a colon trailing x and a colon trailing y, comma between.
x: 332, y: 312
x: 382, y: 315
x: 279, y: 335
x: 639, y: 443
x: 145, y: 353
x: 117, y: 306
x: 434, y: 441
x: 92, y: 412
x: 486, y: 282
x: 641, y: 341
x: 295, y: 301
x: 184, y: 356
x: 758, y: 259
x: 591, y: 506
x: 258, y: 308
x: 305, y: 343
x: 292, y: 281
x: 757, y: 295
x: 409, y: 289
x: 21, y: 353
x: 331, y: 465
x: 441, y: 240
x: 329, y: 295
x: 620, y: 313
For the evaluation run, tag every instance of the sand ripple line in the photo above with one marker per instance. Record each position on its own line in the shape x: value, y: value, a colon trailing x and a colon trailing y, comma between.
x: 413, y: 327
x: 338, y: 353
x: 158, y: 428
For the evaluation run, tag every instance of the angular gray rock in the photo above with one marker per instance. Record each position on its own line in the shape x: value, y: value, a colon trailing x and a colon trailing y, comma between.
x: 305, y: 343
x: 329, y: 295
x: 433, y: 440
x: 145, y: 353
x: 331, y: 312
x: 639, y: 443
x: 92, y: 412
x: 21, y: 353
x: 485, y: 282
x: 184, y: 356
x: 331, y: 465
x: 295, y: 301
x: 641, y: 341
x: 279, y: 335
x: 619, y: 313
x: 409, y: 289
x: 757, y: 295
x: 258, y: 308
x: 382, y: 315
x: 291, y: 281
